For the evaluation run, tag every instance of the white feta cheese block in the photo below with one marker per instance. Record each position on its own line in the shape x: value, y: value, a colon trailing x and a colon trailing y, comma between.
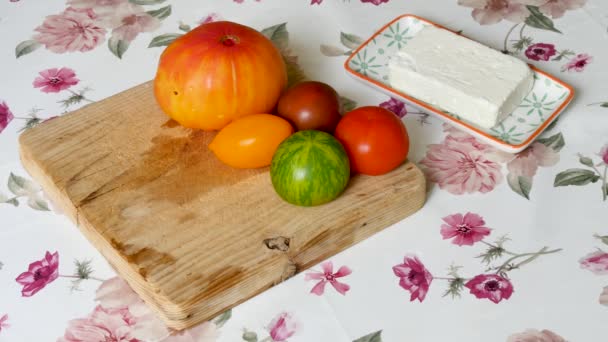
x: 458, y: 75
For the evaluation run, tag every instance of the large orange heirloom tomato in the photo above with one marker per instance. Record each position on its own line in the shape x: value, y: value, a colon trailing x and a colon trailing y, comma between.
x: 219, y: 72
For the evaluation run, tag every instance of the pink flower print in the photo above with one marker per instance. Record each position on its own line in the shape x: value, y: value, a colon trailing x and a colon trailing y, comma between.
x: 578, y: 63
x: 395, y: 106
x: 282, y: 327
x: 375, y: 2
x: 555, y: 8
x: 328, y: 275
x: 116, y: 294
x: 318, y: 2
x: 462, y: 166
x: 211, y: 17
x: 490, y: 152
x: 39, y: 274
x: 55, y: 80
x: 529, y: 160
x: 72, y: 30
x: 413, y: 277
x: 460, y: 135
x: 466, y: 230
x: 6, y: 116
x: 532, y: 335
x: 3, y: 322
x: 488, y: 12
x: 490, y: 286
x: 603, y: 151
x: 596, y: 262
x: 101, y: 325
x: 107, y: 11
x: 131, y: 20
x: 540, y: 51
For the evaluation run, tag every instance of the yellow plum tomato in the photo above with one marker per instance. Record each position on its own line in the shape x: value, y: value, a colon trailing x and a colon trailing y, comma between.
x: 251, y: 141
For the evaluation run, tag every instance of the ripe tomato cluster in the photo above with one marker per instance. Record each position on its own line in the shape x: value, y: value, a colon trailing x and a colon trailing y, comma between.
x: 314, y: 165
x: 229, y: 78
x: 375, y: 139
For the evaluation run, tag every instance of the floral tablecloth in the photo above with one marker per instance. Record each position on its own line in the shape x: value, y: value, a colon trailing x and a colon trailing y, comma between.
x: 507, y: 247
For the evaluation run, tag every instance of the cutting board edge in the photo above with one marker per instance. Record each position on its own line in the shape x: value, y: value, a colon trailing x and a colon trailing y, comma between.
x: 36, y: 172
x: 61, y: 200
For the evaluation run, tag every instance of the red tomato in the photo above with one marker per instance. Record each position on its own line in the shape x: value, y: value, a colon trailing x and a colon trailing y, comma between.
x: 375, y: 140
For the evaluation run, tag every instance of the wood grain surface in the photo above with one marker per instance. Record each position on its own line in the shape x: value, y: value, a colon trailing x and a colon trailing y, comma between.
x: 194, y: 237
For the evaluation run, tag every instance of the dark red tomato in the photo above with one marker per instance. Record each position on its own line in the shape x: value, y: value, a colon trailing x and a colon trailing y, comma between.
x: 311, y: 105
x: 375, y: 140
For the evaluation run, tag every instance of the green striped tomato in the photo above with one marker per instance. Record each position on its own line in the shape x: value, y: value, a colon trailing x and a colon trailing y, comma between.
x: 310, y: 168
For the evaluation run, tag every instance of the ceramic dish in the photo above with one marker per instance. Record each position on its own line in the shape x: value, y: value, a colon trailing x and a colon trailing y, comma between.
x: 547, y: 99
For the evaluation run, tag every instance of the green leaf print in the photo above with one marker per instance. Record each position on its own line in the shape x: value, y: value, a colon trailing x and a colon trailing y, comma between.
x: 520, y: 184
x: 37, y: 203
x: 295, y: 74
x: 161, y: 13
x: 26, y: 47
x: 278, y: 35
x: 603, y: 238
x: 184, y: 27
x: 20, y: 186
x: 164, y: 39
x: 585, y: 161
x: 223, y: 318
x: 552, y: 124
x: 250, y: 336
x: 346, y: 104
x: 539, y: 20
x: 118, y: 46
x: 601, y: 104
x: 350, y: 40
x: 332, y: 51
x: 556, y: 141
x: 373, y: 337
x: 575, y: 177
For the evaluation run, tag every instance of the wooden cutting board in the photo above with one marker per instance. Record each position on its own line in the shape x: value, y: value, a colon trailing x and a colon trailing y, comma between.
x: 192, y: 236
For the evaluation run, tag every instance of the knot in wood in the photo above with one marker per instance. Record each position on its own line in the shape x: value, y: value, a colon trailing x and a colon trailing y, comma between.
x: 280, y: 243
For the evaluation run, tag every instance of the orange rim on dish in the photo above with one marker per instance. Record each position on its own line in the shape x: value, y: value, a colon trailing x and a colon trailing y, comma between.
x: 444, y: 115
